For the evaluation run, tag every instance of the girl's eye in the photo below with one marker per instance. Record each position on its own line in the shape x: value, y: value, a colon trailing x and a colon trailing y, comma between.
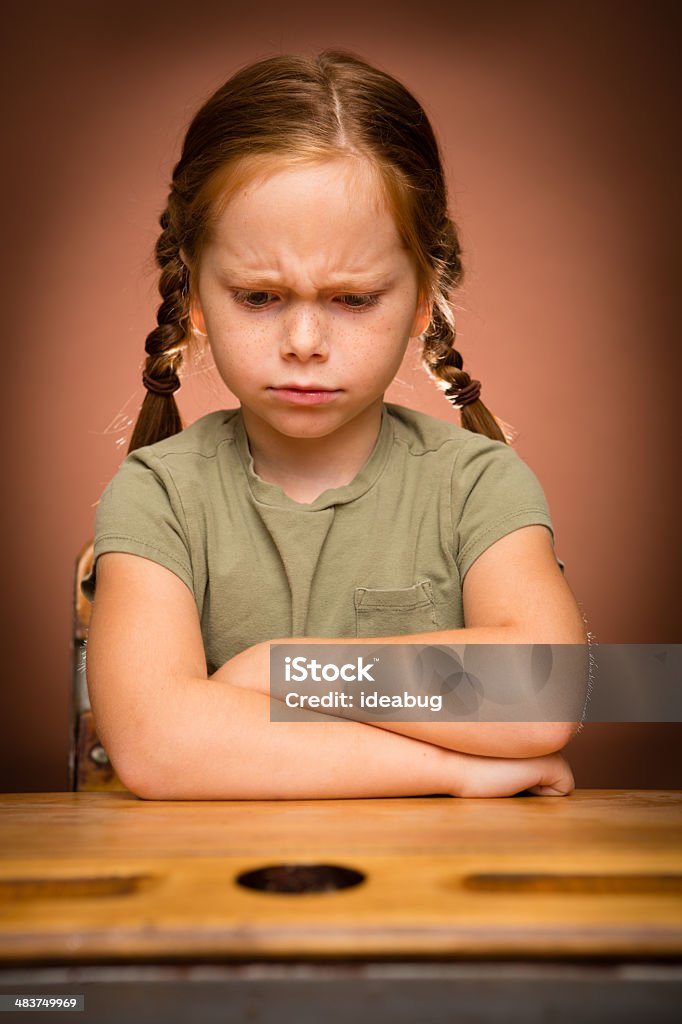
x: 258, y: 300
x: 365, y: 301
x: 241, y: 297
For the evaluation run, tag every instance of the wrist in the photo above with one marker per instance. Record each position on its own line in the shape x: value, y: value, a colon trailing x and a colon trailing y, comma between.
x: 451, y: 768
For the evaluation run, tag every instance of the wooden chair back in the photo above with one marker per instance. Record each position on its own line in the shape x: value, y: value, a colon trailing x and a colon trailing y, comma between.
x: 89, y: 767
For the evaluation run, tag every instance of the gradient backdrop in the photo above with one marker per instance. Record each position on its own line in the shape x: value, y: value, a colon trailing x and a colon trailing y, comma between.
x: 557, y: 124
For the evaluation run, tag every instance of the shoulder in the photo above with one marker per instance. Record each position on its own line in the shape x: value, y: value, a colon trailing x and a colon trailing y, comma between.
x: 173, y: 469
x: 182, y: 458
x: 491, y: 470
x: 480, y: 469
x: 421, y: 433
x: 199, y: 440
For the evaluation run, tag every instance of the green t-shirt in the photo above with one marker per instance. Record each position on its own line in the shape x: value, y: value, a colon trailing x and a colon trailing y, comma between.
x: 384, y: 555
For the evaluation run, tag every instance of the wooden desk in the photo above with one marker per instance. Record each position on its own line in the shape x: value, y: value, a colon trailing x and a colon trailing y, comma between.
x: 535, y: 891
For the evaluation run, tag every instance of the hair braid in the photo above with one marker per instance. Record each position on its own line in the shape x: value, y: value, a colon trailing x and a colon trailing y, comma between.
x: 442, y: 361
x: 160, y: 416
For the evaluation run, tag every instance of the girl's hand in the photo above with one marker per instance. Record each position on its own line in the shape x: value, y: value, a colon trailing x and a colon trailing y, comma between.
x: 476, y: 776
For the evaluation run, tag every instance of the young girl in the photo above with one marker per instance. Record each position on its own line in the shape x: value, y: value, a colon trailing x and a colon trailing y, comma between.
x: 307, y: 242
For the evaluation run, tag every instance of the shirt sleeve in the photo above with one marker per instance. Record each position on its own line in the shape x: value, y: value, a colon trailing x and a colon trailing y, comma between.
x: 140, y: 512
x: 494, y: 492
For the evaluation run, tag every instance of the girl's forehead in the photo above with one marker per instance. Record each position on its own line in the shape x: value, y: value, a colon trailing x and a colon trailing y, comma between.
x: 344, y: 181
x: 334, y: 206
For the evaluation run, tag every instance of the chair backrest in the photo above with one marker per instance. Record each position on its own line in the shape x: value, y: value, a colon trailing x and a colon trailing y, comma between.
x: 89, y: 767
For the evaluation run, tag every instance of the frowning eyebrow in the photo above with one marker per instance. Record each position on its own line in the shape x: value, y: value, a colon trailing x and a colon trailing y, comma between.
x: 271, y: 279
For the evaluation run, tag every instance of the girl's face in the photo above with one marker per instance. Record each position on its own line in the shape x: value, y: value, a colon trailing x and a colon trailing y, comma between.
x: 307, y: 284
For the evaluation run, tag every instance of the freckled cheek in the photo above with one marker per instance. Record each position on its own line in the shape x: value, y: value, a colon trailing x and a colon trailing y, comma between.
x: 379, y: 343
x: 239, y: 363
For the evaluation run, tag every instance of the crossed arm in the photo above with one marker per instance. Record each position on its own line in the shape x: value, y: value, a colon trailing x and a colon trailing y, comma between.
x: 250, y: 670
x: 173, y: 734
x: 502, y: 606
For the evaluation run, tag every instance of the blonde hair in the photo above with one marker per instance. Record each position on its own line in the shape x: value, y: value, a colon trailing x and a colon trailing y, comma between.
x: 292, y: 109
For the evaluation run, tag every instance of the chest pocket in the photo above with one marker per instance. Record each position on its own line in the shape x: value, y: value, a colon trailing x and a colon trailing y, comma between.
x: 395, y: 612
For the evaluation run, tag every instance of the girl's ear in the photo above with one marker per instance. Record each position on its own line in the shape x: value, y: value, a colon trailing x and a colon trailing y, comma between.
x: 197, y: 317
x: 422, y: 318
x: 195, y: 311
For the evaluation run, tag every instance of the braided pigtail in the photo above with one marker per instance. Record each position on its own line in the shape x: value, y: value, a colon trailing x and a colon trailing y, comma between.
x: 159, y: 416
x: 442, y: 361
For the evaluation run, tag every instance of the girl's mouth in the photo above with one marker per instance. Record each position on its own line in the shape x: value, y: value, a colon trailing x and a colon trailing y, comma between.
x: 299, y: 396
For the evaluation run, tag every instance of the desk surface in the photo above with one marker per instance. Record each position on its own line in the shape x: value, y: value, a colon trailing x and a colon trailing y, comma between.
x: 91, y: 877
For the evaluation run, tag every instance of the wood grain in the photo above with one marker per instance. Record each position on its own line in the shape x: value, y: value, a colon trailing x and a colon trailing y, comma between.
x: 91, y: 876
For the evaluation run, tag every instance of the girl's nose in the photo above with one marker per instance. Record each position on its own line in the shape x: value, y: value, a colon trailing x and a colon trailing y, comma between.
x: 303, y: 333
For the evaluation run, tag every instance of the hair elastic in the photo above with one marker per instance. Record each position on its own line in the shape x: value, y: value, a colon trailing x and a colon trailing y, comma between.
x: 161, y: 387
x: 464, y: 396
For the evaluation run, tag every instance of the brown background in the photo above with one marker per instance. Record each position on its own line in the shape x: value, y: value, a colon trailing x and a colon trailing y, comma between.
x: 557, y: 123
